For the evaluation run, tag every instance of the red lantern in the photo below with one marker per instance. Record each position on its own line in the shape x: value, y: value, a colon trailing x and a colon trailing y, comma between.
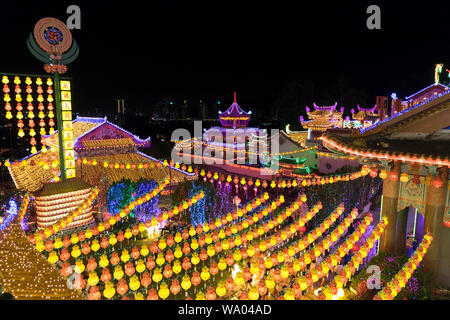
x: 114, y: 258
x: 262, y: 288
x: 170, y: 241
x: 154, y: 247
x: 213, y: 268
x: 129, y: 269
x: 247, y: 274
x: 175, y: 287
x: 229, y: 259
x: 150, y: 262
x: 186, y: 264
x: 186, y: 248
x: 229, y: 284
x: 122, y: 287
x: 106, y: 275
x: 146, y: 279
x: 94, y: 293
x: 66, y: 269
x: 195, y: 279
x: 91, y: 265
x: 152, y: 294
x: 168, y: 271
x: 203, y: 255
x: 104, y: 243
x: 65, y: 255
x: 211, y: 293
x: 86, y: 248
x: 135, y: 253
x: 169, y: 256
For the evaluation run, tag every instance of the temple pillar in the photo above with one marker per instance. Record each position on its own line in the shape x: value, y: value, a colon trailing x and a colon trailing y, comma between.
x: 389, y: 209
x: 434, y: 223
x: 400, y: 231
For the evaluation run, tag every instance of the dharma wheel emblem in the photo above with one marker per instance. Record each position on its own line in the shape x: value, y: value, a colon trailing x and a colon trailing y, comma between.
x: 51, y: 42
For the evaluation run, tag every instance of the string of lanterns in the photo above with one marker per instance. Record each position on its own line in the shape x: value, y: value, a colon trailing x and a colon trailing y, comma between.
x: 281, y: 255
x: 323, y: 245
x: 134, y: 230
x: 393, y: 287
x: 30, y: 107
x: 326, y: 266
x: 340, y: 280
x: 135, y: 254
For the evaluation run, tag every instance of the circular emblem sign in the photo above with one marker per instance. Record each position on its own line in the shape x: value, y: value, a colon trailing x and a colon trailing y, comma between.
x: 52, y: 35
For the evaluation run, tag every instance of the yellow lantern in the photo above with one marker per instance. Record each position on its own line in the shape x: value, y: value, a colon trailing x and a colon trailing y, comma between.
x: 157, y: 276
x: 118, y: 272
x: 205, y: 275
x: 221, y: 290
x: 93, y: 278
x: 79, y: 266
x: 109, y: 291
x: 239, y: 280
x: 163, y: 291
x: 186, y: 283
x: 270, y: 283
x: 134, y: 283
x: 253, y: 293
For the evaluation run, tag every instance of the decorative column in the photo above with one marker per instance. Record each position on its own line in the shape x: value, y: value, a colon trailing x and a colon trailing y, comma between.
x: 389, y: 208
x: 437, y: 256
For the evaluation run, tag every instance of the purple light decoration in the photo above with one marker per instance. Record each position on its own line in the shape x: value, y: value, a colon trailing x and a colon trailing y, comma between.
x: 234, y: 111
x: 353, y: 110
x: 371, y: 110
x: 342, y: 109
x: 325, y: 108
x: 302, y: 119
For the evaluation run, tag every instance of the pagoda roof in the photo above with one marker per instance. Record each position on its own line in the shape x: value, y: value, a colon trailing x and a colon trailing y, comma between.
x: 234, y: 116
x: 320, y: 112
x: 364, y: 113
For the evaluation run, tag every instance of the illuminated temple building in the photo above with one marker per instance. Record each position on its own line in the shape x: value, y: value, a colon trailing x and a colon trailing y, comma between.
x: 410, y: 152
x: 103, y: 151
x: 364, y: 117
x: 322, y: 118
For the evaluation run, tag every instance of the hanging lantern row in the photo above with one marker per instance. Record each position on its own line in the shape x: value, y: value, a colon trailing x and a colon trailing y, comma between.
x: 133, y: 231
x: 30, y: 107
x: 340, y: 280
x: 279, y: 256
x: 404, y: 178
x: 169, y: 269
x: 311, y: 237
x: 395, y: 286
x: 322, y: 270
x: 155, y: 247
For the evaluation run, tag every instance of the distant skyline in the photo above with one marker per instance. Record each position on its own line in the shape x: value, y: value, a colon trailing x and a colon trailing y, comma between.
x: 206, y: 50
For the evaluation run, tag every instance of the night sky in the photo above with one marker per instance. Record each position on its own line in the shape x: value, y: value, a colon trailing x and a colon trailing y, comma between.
x: 207, y: 49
